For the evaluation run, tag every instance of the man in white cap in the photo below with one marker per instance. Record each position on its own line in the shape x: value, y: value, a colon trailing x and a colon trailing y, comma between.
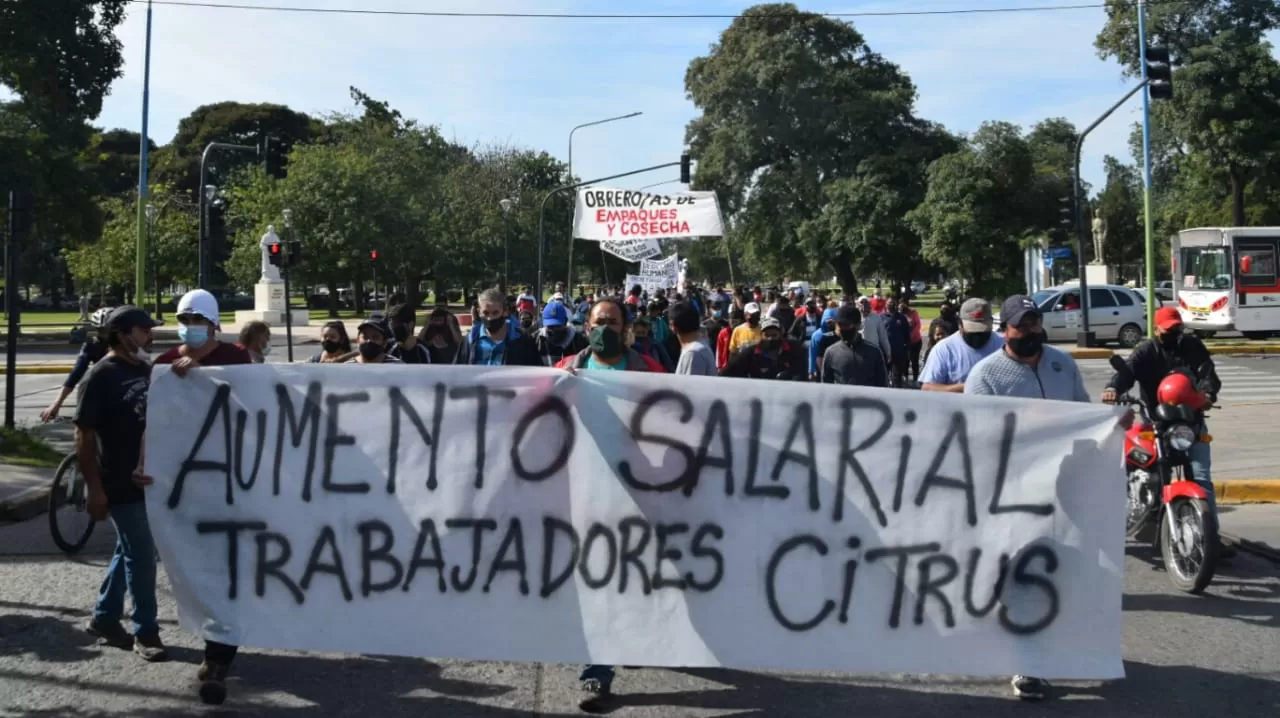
x: 748, y: 333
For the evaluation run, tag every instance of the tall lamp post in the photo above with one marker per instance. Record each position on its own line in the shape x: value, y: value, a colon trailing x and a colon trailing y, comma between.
x: 286, y: 245
x: 206, y: 197
x: 151, y: 251
x: 569, y: 276
x: 505, y: 206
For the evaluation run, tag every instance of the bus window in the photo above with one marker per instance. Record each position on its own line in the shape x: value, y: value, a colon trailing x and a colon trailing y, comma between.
x: 1205, y: 268
x: 1257, y: 265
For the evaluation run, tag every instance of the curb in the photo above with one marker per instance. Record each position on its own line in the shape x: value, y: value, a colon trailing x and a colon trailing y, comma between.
x: 26, y: 505
x: 1090, y: 352
x: 1247, y: 491
x: 1240, y: 350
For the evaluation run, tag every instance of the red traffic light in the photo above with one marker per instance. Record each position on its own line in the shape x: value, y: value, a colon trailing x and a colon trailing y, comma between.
x: 373, y: 254
x: 275, y: 248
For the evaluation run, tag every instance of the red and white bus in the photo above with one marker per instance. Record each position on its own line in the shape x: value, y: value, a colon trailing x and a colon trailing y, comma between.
x: 1224, y: 279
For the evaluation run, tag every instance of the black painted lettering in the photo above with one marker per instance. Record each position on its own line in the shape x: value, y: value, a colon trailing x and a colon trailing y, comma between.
x: 970, y: 578
x: 219, y: 407
x: 1022, y: 577
x: 1002, y: 473
x: 902, y: 553
x: 478, y: 527
x: 850, y: 575
x: 550, y: 527
x: 646, y: 404
x: 334, y: 567
x: 630, y: 555
x: 555, y: 406
x: 904, y: 454
x: 930, y: 585
x: 753, y: 448
x: 771, y: 587
x: 297, y: 431
x: 698, y: 549
x: 481, y: 394
x: 848, y: 453
x: 716, y: 427
x: 232, y: 529
x: 400, y: 405
x: 427, y: 533
x: 369, y: 554
x: 662, y: 532
x: 333, y: 438
x: 274, y: 566
x: 596, y: 532
x: 242, y: 418
x: 957, y: 433
x: 512, y: 541
x: 801, y: 421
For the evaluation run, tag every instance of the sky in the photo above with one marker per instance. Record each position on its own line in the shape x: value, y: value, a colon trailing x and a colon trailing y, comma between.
x: 527, y: 82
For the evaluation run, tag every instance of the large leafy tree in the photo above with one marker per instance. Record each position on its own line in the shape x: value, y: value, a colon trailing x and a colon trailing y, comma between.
x: 1120, y: 203
x: 791, y: 102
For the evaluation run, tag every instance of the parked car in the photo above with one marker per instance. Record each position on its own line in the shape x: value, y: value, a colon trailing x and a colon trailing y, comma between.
x: 1116, y: 314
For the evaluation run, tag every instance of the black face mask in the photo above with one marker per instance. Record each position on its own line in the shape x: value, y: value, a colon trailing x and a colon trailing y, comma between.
x: 371, y: 350
x: 771, y: 345
x: 1027, y: 345
x: 496, y: 324
x: 1169, y: 340
x: 330, y: 347
x: 977, y: 340
x: 753, y: 321
x: 557, y: 334
x: 401, y: 333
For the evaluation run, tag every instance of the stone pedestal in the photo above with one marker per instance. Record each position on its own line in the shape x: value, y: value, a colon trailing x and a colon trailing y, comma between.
x: 268, y: 307
x: 1099, y: 274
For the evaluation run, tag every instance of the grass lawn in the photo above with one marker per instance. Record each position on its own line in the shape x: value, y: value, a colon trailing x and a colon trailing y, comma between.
x: 21, y: 447
x: 34, y: 322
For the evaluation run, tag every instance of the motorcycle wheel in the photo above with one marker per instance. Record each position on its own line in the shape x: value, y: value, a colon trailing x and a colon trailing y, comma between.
x: 1137, y: 514
x: 1190, y: 558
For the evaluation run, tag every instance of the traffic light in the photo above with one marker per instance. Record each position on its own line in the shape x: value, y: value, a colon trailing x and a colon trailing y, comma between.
x: 1065, y: 209
x: 684, y: 168
x: 273, y: 158
x: 275, y: 254
x: 373, y: 255
x: 1159, y: 73
x: 295, y: 253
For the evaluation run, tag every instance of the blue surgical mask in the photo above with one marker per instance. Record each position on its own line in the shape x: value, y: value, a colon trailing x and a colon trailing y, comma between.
x: 193, y: 336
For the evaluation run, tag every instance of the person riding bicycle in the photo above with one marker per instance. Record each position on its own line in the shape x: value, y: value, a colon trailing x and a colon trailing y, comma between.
x: 94, y: 349
x: 1152, y: 360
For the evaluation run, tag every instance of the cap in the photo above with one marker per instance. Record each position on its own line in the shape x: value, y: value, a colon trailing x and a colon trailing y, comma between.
x: 829, y: 315
x: 848, y: 315
x: 1168, y: 317
x: 557, y: 297
x: 128, y: 317
x: 751, y: 308
x: 770, y: 323
x: 200, y: 303
x: 375, y: 323
x: 1015, y: 308
x: 555, y: 315
x: 975, y: 315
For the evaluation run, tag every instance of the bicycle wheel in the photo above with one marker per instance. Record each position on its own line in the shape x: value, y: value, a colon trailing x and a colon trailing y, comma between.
x: 69, y: 520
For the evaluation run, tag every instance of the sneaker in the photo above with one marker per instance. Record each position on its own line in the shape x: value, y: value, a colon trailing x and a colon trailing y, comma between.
x: 599, y: 698
x: 150, y: 647
x: 1030, y: 689
x: 109, y: 633
x: 213, y: 682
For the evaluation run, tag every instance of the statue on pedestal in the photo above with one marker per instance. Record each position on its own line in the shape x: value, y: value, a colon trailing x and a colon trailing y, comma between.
x: 270, y: 272
x: 1099, y: 239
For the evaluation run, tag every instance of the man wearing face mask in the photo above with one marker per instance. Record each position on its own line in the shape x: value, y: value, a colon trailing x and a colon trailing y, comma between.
x: 373, y: 340
x: 823, y: 339
x: 951, y: 360
x: 851, y: 360
x: 442, y: 336
x: 771, y: 358
x: 496, y: 341
x: 746, y: 334
x: 406, y: 347
x: 557, y: 338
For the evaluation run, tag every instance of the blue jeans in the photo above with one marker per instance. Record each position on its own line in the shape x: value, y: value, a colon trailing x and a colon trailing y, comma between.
x: 1201, y: 463
x: 604, y: 674
x: 133, y: 567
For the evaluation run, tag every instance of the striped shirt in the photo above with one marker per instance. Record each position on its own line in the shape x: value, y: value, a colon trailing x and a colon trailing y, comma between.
x: 1055, y: 377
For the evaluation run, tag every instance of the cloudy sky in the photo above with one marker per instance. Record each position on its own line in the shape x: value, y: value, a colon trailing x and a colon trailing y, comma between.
x: 526, y: 81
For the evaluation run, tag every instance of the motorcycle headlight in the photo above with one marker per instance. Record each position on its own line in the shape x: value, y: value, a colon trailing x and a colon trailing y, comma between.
x: 1181, y: 437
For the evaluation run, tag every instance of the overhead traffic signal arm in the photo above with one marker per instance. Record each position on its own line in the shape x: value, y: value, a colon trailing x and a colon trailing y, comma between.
x: 1159, y: 72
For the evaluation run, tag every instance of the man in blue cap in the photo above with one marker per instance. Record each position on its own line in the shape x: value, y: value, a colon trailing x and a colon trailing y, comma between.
x: 557, y: 338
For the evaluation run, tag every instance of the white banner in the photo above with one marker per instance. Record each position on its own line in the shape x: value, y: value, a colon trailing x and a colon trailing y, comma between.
x: 632, y: 250
x: 605, y: 214
x: 665, y: 273
x: 648, y: 282
x: 634, y: 519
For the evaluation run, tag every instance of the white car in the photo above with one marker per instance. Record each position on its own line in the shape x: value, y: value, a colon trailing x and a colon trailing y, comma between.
x: 1116, y: 314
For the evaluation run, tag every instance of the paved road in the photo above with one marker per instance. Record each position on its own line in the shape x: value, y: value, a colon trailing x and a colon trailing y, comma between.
x: 1187, y: 657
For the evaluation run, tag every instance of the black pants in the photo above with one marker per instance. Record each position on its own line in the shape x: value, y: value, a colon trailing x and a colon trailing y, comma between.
x: 898, y: 367
x: 215, y: 652
x: 913, y: 357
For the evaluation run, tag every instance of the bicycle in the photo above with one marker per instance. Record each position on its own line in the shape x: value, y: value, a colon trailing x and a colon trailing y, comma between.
x: 69, y: 490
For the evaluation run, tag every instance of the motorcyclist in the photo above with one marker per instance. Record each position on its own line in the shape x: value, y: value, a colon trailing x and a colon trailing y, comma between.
x: 1151, y: 361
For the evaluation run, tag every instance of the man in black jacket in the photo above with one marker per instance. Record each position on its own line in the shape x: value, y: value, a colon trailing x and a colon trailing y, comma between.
x: 851, y: 360
x: 1152, y: 360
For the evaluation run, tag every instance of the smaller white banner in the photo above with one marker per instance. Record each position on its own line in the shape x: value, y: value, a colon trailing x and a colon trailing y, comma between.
x: 610, y: 214
x: 649, y: 283
x: 664, y: 272
x: 632, y: 250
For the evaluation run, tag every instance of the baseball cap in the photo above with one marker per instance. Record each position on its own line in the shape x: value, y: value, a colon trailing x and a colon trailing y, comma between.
x: 128, y: 317
x: 751, y: 308
x: 200, y: 303
x: 848, y: 315
x: 555, y: 315
x: 376, y: 323
x: 975, y: 315
x: 1168, y: 317
x: 557, y: 297
x: 770, y: 323
x: 1015, y: 308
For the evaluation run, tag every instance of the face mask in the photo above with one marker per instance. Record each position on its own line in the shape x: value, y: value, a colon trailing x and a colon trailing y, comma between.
x: 771, y: 345
x: 370, y: 350
x: 495, y: 325
x: 605, y: 342
x: 1169, y: 340
x: 1027, y: 345
x: 977, y: 340
x: 556, y: 334
x: 401, y: 333
x: 526, y: 323
x: 143, y: 356
x: 330, y: 347
x: 753, y: 321
x: 718, y: 314
x: 266, y: 350
x: 194, y: 337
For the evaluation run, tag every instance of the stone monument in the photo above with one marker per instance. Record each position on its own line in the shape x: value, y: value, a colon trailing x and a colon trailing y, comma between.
x: 1097, y: 271
x: 268, y: 293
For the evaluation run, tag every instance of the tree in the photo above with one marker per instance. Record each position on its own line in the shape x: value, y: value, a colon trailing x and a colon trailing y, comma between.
x: 1120, y: 203
x: 790, y: 102
x: 113, y: 158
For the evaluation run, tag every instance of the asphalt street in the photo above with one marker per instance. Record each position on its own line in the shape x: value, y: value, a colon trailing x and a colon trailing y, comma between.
x: 1216, y: 654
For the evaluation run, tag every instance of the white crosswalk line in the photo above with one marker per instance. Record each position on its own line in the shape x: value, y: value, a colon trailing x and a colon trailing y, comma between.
x: 1241, y: 384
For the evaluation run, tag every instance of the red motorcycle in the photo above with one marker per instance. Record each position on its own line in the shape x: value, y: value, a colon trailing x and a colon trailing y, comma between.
x: 1162, y: 496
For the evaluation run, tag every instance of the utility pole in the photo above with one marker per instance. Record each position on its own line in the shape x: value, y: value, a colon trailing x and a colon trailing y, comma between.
x: 21, y: 205
x: 144, y: 234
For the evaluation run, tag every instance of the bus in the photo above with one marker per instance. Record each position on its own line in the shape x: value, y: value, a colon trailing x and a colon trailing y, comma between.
x: 1224, y: 279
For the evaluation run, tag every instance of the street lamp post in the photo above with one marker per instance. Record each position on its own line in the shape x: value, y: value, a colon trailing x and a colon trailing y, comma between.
x: 287, y: 256
x: 569, y: 276
x: 151, y: 251
x: 206, y: 197
x: 505, y: 206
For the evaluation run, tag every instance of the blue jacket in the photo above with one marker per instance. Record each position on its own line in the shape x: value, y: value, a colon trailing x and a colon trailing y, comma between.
x: 816, y: 343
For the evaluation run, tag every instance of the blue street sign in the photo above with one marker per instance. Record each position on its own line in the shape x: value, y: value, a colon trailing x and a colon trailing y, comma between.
x: 1058, y: 252
x: 1048, y: 262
